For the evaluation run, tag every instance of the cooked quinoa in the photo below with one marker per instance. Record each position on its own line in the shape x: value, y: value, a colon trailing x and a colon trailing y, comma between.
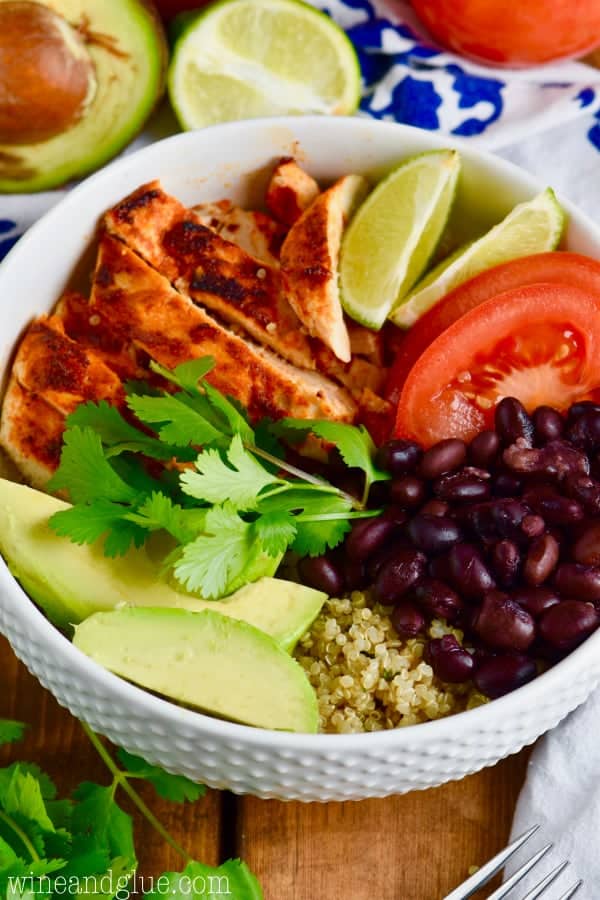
x: 367, y: 678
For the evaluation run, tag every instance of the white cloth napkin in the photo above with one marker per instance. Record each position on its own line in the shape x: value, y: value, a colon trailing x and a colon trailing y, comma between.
x: 548, y: 121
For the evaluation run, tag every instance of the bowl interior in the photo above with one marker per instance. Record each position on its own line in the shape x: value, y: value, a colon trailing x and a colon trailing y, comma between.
x: 235, y: 161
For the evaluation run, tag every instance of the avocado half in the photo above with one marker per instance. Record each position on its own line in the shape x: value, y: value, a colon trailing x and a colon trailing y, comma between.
x: 78, y: 78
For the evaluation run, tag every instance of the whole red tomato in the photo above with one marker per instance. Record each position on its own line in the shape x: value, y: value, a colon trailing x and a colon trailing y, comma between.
x: 170, y: 8
x: 515, y: 33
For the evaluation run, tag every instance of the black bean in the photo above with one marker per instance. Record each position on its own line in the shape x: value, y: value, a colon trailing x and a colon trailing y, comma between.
x: 506, y: 484
x: 577, y: 410
x: 566, y: 625
x: 398, y: 575
x: 367, y: 536
x: 552, y: 506
x: 461, y: 488
x: 548, y: 424
x: 507, y: 517
x: 506, y: 562
x: 449, y: 661
x: 407, y: 619
x: 586, y: 549
x: 499, y: 675
x: 322, y: 573
x: 555, y: 460
x: 379, y: 495
x: 468, y: 572
x: 399, y: 457
x: 502, y: 623
x: 536, y: 600
x: 438, y: 600
x: 541, y: 559
x: 435, y: 508
x: 355, y: 575
x: 584, y: 431
x: 532, y: 526
x: 586, y: 491
x: 484, y: 449
x: 445, y: 456
x: 579, y: 582
x: 513, y: 422
x: 433, y: 534
x: 408, y: 491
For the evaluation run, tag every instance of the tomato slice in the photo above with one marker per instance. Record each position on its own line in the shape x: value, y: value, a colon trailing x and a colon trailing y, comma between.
x: 539, y: 343
x: 550, y: 268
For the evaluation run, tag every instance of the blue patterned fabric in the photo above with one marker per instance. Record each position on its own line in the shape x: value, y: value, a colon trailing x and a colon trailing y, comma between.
x: 406, y: 78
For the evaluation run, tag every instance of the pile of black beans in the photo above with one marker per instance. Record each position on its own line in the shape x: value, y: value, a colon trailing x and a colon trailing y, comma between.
x: 500, y: 538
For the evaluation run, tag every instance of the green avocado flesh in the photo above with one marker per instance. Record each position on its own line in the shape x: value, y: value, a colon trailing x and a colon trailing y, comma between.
x: 205, y: 660
x: 71, y: 581
x: 127, y: 47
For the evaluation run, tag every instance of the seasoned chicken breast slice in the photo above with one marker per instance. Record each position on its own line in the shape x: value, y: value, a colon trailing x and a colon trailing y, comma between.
x: 142, y: 307
x: 81, y: 325
x: 290, y: 191
x: 31, y: 433
x: 214, y: 272
x: 254, y: 232
x: 309, y: 263
x: 61, y: 371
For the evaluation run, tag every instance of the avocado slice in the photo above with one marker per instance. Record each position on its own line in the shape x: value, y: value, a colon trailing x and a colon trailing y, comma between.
x: 204, y: 660
x: 80, y: 78
x: 71, y: 581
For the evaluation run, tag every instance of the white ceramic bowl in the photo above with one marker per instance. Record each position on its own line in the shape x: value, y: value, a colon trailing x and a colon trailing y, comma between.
x: 233, y: 160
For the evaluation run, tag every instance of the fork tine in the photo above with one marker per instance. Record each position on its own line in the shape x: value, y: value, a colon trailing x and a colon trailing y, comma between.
x: 571, y: 892
x: 539, y: 889
x: 487, y: 871
x: 514, y: 879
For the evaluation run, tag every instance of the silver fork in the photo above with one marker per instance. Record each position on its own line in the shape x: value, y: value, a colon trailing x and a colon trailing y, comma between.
x: 491, y: 868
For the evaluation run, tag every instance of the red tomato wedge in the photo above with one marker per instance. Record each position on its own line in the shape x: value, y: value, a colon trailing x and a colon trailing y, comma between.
x: 539, y: 343
x: 551, y: 268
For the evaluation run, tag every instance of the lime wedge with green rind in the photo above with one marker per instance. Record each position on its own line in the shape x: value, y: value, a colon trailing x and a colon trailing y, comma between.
x: 242, y: 59
x: 532, y: 227
x: 392, y: 237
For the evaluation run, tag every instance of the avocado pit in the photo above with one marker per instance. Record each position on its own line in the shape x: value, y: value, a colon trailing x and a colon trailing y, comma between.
x: 47, y: 77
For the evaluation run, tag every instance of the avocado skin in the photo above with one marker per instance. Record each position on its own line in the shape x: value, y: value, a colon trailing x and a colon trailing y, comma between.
x: 128, y: 47
x: 205, y: 660
x: 71, y: 581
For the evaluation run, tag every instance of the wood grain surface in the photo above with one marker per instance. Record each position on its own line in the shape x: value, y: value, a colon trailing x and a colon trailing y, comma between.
x: 415, y: 847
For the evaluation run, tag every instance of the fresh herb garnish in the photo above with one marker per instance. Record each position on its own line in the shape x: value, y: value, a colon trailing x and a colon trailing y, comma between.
x: 226, y: 494
x: 83, y: 845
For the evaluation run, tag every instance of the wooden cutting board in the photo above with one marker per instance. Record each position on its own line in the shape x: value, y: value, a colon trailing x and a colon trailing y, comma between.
x: 414, y: 847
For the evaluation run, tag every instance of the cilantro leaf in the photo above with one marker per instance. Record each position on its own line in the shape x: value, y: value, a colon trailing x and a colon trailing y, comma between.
x: 176, y: 421
x: 201, y: 882
x: 315, y: 533
x: 11, y: 731
x: 86, y: 523
x: 276, y: 531
x: 231, y: 413
x: 176, y: 788
x: 186, y: 375
x: 215, y: 559
x: 159, y: 512
x: 354, y: 443
x: 239, y: 482
x: 23, y: 797
x: 84, y: 471
x: 101, y: 830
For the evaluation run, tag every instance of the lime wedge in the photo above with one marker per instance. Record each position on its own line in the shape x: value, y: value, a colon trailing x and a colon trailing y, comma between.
x: 532, y: 227
x: 240, y: 59
x: 391, y: 238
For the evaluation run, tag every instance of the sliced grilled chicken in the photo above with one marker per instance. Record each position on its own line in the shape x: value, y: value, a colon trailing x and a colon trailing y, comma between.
x: 81, y: 325
x: 61, y: 371
x: 309, y: 263
x: 366, y: 343
x: 31, y: 433
x: 142, y: 307
x: 252, y: 231
x: 214, y: 272
x: 291, y: 190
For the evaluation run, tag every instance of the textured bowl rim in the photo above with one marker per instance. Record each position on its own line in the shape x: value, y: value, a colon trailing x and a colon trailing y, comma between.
x: 34, y: 622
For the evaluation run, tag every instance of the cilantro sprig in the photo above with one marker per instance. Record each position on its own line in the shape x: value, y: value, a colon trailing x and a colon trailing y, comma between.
x: 188, y: 462
x: 83, y: 845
